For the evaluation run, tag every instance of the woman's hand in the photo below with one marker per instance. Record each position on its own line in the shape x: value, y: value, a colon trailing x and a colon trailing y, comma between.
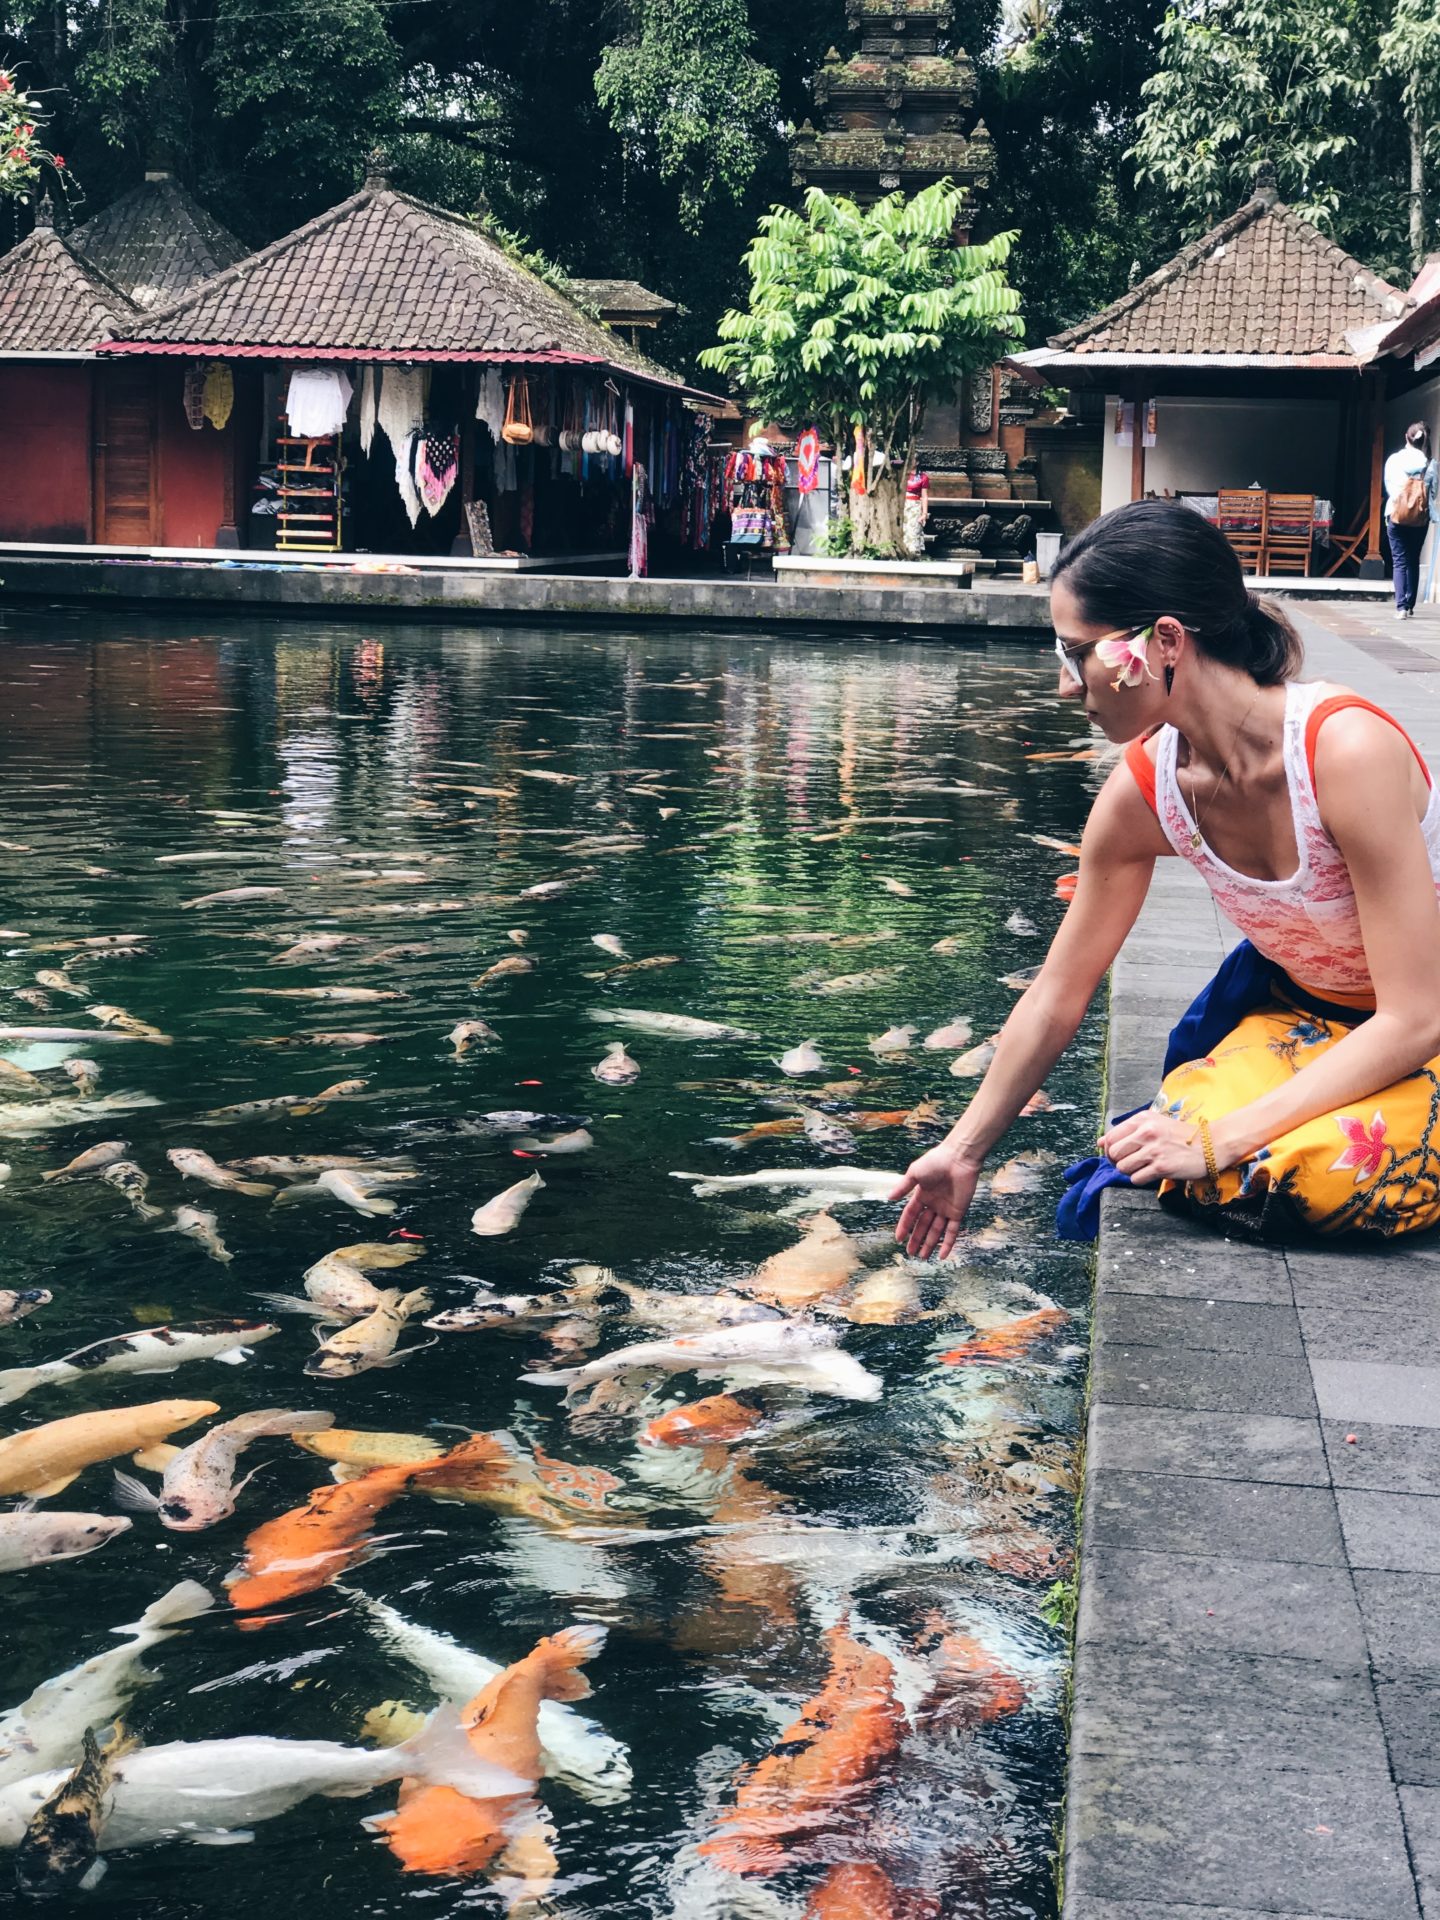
x: 1150, y: 1147
x: 941, y: 1185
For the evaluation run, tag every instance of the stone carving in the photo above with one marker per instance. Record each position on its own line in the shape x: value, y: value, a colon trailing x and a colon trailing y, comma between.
x: 980, y: 400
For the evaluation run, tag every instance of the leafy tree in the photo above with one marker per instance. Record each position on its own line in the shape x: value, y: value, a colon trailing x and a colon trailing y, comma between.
x: 1338, y: 95
x: 1410, y: 54
x: 857, y: 316
x: 683, y: 90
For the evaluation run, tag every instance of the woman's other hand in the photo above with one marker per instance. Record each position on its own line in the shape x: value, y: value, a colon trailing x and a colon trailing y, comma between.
x: 1150, y: 1147
x: 940, y: 1184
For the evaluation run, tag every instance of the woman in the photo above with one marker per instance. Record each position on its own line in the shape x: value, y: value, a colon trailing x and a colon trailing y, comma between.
x: 1309, y: 1093
x: 1407, y: 515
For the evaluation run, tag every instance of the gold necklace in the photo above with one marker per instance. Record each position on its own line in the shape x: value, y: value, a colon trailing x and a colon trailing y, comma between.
x: 1196, y: 841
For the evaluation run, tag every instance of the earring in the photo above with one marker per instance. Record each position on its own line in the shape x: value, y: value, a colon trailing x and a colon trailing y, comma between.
x: 1169, y: 679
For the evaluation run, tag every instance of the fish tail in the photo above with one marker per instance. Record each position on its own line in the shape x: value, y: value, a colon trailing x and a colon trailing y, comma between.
x: 474, y: 1462
x: 417, y: 1302
x: 186, y: 1601
x: 16, y: 1382
x: 259, y: 1189
x: 558, y: 1377
x: 564, y: 1654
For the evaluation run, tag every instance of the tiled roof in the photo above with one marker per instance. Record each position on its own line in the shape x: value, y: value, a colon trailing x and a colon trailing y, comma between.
x: 53, y: 302
x: 617, y: 298
x: 382, y: 273
x: 156, y: 243
x: 1262, y: 282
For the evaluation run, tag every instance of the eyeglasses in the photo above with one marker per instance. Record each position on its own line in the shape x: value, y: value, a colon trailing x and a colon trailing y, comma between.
x: 1070, y: 657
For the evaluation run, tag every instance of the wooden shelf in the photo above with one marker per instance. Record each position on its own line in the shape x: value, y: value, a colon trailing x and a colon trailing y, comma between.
x: 309, y: 516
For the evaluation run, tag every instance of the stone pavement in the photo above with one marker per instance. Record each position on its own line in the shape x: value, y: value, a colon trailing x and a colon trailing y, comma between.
x: 1256, y: 1727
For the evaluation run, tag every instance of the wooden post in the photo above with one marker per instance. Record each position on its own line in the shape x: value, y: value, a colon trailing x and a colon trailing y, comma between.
x: 1137, y: 445
x: 1374, y: 557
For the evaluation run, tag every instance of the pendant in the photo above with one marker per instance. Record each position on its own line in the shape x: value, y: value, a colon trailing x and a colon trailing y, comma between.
x: 1195, y: 839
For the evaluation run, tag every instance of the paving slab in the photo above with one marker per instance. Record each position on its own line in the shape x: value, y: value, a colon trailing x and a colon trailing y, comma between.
x: 1286, y: 1610
x: 1383, y: 1459
x: 1241, y: 1520
x: 1245, y: 1446
x: 1373, y: 1390
x: 1397, y: 1531
x: 1410, y: 1715
x: 1401, y: 1612
x: 1217, y: 1326
x: 1391, y: 1336
x: 1422, y: 1823
x: 1197, y: 1377
x: 1088, y: 1909
x: 1252, y: 1710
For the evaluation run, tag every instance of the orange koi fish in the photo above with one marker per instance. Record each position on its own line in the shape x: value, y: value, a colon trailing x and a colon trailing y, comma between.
x: 972, y: 1687
x: 714, y: 1421
x: 842, y: 1737
x: 500, y: 1475
x: 1065, y: 886
x: 436, y: 1829
x: 861, y: 1891
x: 1012, y: 1341
x: 310, y: 1546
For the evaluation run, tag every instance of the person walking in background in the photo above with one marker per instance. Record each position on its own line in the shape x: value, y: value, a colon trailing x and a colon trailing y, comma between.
x: 1407, y: 514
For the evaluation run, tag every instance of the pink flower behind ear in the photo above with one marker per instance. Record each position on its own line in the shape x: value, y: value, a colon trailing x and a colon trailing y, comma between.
x: 1366, y: 1149
x: 1128, y: 654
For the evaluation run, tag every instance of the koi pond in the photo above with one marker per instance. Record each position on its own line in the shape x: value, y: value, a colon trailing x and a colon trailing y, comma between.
x: 365, y: 910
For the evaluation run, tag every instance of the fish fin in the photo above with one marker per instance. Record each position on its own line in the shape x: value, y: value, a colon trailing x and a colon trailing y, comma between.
x: 146, y: 1211
x: 399, y: 1359
x: 219, y: 1837
x: 259, y: 1188
x: 567, y: 1651
x: 560, y: 1377
x: 93, y: 1875
x: 16, y: 1382
x: 241, y: 1485
x: 443, y: 1756
x: 155, y: 1459
x: 233, y: 1356
x: 183, y: 1602
x: 134, y: 1494
x: 50, y: 1488
x: 292, y: 1303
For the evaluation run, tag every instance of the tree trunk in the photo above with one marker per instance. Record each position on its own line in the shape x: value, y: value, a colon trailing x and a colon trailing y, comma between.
x: 1418, y: 221
x: 876, y: 515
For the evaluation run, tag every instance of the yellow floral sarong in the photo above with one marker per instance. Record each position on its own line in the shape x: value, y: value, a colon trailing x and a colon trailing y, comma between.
x: 1373, y: 1166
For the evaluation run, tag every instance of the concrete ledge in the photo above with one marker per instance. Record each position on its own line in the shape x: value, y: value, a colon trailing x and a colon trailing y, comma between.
x: 819, y: 569
x: 459, y: 593
x: 1256, y: 1725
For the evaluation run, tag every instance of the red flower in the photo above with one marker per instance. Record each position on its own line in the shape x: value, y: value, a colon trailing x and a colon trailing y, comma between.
x: 1366, y: 1151
x: 7, y: 85
x: 18, y: 153
x: 59, y: 160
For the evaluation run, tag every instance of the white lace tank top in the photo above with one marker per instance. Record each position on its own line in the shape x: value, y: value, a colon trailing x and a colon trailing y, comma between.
x: 1309, y: 923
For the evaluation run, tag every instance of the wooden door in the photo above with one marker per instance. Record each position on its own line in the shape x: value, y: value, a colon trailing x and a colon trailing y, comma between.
x: 125, y: 456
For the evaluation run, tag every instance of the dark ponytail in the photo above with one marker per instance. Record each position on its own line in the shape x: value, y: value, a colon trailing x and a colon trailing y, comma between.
x: 1140, y: 562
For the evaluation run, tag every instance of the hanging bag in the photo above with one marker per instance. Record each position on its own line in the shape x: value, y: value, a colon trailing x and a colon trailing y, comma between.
x: 517, y: 430
x: 1411, y: 508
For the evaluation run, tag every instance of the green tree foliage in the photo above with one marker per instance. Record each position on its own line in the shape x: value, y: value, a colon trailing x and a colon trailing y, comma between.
x: 685, y: 93
x: 1324, y: 90
x: 857, y: 316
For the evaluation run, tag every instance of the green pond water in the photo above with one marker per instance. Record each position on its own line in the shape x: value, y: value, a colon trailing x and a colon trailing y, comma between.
x: 803, y: 774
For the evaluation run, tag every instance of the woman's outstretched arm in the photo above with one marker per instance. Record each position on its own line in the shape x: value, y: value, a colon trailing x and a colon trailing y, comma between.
x: 1122, y: 840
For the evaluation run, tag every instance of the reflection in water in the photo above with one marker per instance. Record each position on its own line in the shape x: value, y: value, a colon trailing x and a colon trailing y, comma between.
x: 827, y: 1664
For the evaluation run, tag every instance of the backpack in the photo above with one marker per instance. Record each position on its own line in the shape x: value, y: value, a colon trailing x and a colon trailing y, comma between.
x: 1411, y: 508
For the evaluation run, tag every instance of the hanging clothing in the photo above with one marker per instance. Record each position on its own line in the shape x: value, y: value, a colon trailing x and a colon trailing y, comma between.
x: 629, y: 435
x: 401, y: 415
x: 194, y: 395
x: 642, y: 513
x: 369, y: 400
x: 860, y: 469
x: 507, y: 470
x: 490, y: 405
x: 695, y: 485
x: 807, y: 453
x: 317, y: 401
x: 437, y: 464
x: 218, y: 395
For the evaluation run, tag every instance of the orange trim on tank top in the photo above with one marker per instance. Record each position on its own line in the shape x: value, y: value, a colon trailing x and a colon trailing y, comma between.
x: 1334, y: 704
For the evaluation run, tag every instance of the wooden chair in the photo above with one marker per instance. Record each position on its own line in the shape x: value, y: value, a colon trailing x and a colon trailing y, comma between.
x: 1289, y: 532
x: 1349, y: 546
x: 1241, y: 517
